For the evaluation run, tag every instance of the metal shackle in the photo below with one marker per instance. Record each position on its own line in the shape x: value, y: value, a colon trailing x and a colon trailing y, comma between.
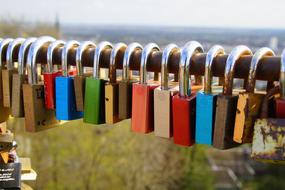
x: 147, y: 50
x: 257, y: 56
x: 51, y: 48
x: 234, y: 55
x: 79, y: 53
x: 166, y: 54
x: 22, y: 54
x: 212, y: 53
x: 282, y: 76
x: 72, y: 44
x: 127, y: 57
x: 96, y: 64
x: 191, y: 48
x: 3, y: 47
x: 112, y: 66
x: 12, y: 47
x: 39, y: 44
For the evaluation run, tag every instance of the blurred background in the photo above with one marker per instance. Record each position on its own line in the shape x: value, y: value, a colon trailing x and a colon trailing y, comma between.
x: 80, y: 156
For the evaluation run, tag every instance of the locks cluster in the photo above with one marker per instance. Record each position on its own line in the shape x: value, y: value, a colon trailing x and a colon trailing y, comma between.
x: 186, y: 111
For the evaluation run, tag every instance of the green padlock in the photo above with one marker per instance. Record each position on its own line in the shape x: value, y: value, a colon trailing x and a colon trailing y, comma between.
x: 94, y: 105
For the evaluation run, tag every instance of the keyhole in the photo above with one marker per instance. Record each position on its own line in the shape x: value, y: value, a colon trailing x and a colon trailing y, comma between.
x: 107, y: 99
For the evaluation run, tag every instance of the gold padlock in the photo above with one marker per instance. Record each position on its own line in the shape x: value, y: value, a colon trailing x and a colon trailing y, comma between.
x: 112, y: 87
x: 37, y: 117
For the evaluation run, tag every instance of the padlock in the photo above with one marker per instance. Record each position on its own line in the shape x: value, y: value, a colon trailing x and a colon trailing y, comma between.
x: 184, y: 103
x: 37, y: 117
x: 163, y: 97
x: 126, y: 84
x: 112, y: 87
x: 4, y: 112
x: 19, y: 79
x: 50, y: 75
x: 79, y: 79
x: 280, y: 102
x: 7, y: 74
x: 142, y: 101
x: 249, y: 102
x: 64, y: 88
x: 227, y: 102
x: 94, y: 104
x: 206, y: 101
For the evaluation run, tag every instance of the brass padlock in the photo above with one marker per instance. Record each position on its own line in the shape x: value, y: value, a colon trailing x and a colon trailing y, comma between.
x: 163, y: 97
x: 7, y: 74
x: 79, y: 78
x: 37, y: 117
x: 19, y: 79
x: 4, y: 112
x: 227, y: 102
x: 249, y: 102
x: 126, y: 84
x: 112, y: 87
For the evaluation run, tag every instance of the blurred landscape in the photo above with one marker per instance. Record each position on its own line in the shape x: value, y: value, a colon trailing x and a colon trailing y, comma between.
x: 81, y: 156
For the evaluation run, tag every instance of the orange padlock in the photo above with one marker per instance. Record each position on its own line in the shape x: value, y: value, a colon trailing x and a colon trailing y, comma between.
x: 142, y: 102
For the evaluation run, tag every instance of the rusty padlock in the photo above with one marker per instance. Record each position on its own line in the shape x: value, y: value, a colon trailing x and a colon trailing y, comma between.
x: 163, y: 122
x: 112, y: 87
x: 280, y: 102
x: 249, y: 102
x: 4, y: 112
x: 206, y: 101
x: 142, y: 101
x: 37, y: 117
x: 184, y: 103
x: 19, y: 79
x: 227, y: 102
x: 51, y: 74
x: 79, y: 78
x: 7, y: 74
x: 126, y: 84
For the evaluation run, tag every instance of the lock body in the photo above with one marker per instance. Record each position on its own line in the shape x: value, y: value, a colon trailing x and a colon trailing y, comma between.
x: 248, y: 109
x: 37, y: 117
x: 142, y: 108
x: 17, y: 96
x: 184, y: 116
x: 65, y: 99
x: 205, y: 118
x: 111, y: 103
x: 5, y: 112
x: 7, y: 76
x: 280, y: 108
x: 79, y: 87
x: 94, y: 106
x: 163, y: 122
x: 49, y: 84
x: 125, y: 99
x: 225, y: 122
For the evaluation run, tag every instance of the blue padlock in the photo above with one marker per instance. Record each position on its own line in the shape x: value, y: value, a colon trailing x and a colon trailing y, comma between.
x: 64, y: 88
x: 206, y: 101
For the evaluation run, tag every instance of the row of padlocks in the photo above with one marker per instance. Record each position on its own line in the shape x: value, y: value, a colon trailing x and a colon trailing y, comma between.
x: 210, y: 114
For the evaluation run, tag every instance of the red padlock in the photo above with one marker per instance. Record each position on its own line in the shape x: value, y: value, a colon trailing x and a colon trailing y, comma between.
x: 184, y: 103
x: 50, y: 75
x: 142, y: 102
x: 280, y: 102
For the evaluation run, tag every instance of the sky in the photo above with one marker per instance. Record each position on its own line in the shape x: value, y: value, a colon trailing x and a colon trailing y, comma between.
x: 197, y: 13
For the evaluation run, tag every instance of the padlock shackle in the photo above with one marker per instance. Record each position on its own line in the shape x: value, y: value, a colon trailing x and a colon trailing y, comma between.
x: 51, y: 48
x: 127, y: 57
x: 72, y: 44
x: 235, y: 54
x: 3, y: 47
x: 96, y: 64
x: 166, y: 54
x: 79, y: 53
x: 12, y: 47
x: 112, y: 66
x: 23, y: 51
x: 282, y: 76
x: 191, y: 48
x: 39, y: 44
x: 215, y: 51
x: 258, y: 55
x: 147, y: 50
